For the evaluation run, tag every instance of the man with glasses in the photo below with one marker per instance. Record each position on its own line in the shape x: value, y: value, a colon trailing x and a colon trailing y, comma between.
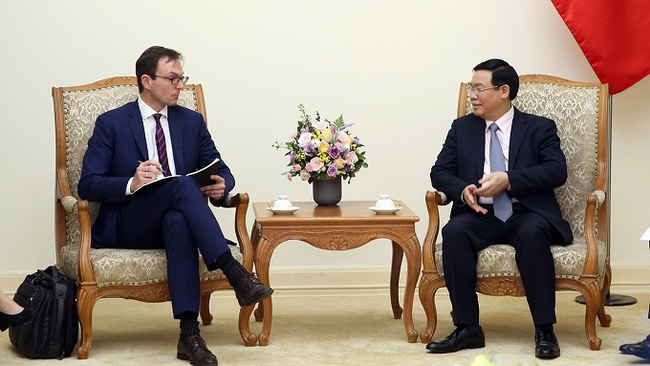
x: 499, y: 166
x: 143, y: 141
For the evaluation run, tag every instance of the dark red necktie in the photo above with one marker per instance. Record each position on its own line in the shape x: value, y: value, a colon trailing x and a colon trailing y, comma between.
x: 160, y: 146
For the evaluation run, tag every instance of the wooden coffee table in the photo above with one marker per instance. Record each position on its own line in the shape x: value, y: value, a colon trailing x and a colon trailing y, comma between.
x: 345, y: 226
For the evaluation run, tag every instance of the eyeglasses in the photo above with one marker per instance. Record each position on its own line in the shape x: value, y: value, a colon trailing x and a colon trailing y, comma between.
x: 175, y: 80
x: 478, y: 91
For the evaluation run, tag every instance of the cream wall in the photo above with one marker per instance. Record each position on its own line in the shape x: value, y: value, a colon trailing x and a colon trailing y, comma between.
x: 392, y: 67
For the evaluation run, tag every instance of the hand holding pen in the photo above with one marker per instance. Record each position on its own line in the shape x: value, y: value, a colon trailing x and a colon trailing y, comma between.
x: 146, y: 172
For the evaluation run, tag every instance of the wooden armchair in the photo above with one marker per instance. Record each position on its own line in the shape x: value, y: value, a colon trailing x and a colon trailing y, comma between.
x: 126, y: 273
x: 580, y: 111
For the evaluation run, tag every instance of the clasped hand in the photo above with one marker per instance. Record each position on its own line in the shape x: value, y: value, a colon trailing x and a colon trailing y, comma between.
x: 491, y: 184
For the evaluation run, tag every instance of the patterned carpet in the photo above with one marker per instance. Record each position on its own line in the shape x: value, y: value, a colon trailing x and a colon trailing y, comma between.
x: 319, y: 329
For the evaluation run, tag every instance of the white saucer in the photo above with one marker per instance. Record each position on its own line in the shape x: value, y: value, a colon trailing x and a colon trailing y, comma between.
x: 287, y: 211
x: 385, y: 211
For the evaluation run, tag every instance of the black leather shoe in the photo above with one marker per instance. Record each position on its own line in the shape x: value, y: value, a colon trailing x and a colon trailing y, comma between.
x: 250, y: 290
x: 546, y: 345
x: 640, y: 349
x: 469, y: 337
x: 194, y: 349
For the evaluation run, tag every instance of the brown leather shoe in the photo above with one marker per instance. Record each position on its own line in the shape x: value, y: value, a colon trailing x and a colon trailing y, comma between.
x: 250, y: 290
x: 194, y: 349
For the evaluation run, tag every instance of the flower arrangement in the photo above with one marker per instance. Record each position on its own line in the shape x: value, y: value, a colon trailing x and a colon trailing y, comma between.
x: 322, y: 149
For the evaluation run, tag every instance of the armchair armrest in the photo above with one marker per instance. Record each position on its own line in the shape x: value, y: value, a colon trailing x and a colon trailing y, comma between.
x: 595, y: 200
x: 79, y: 208
x: 69, y: 203
x: 433, y: 199
x: 441, y: 198
x: 240, y: 202
x: 600, y: 197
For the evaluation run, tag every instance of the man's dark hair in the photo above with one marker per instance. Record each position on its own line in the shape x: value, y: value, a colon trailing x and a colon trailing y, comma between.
x: 148, y: 62
x: 502, y: 74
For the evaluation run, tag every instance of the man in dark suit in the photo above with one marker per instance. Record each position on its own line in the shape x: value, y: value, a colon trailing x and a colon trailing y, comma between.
x: 501, y: 180
x: 139, y: 143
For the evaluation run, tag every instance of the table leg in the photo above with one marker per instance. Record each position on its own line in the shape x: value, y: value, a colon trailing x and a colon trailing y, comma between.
x: 396, y: 268
x: 259, y: 312
x: 411, y: 248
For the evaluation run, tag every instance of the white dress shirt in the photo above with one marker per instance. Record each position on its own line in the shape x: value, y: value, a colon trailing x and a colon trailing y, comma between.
x: 149, y: 124
x: 505, y: 125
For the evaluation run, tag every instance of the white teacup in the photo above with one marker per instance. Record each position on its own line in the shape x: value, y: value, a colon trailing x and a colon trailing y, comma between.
x: 282, y: 203
x: 384, y: 203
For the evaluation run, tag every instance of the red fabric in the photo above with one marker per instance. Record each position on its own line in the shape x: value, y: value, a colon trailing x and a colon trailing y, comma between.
x: 613, y: 35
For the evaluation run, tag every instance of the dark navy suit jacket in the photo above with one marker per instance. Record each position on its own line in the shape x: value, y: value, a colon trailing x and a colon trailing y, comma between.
x: 116, y: 146
x: 536, y: 165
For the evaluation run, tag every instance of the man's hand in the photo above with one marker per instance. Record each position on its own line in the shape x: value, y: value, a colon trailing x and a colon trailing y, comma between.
x: 470, y: 198
x: 215, y: 191
x: 146, y: 172
x: 493, y: 184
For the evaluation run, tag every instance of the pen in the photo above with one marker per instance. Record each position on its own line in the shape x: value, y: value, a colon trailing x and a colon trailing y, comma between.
x: 142, y: 162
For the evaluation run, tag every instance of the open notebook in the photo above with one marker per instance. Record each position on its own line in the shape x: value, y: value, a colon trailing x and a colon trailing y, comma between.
x: 202, y: 175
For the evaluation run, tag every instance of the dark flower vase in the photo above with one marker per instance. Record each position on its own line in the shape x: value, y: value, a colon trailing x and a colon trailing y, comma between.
x: 327, y: 191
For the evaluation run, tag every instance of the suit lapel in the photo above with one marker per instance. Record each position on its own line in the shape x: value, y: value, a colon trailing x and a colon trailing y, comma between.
x: 135, y: 122
x: 517, y: 133
x: 477, y: 132
x: 176, y: 131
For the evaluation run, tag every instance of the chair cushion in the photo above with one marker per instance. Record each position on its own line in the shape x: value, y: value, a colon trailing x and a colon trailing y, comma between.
x: 499, y: 260
x: 130, y: 266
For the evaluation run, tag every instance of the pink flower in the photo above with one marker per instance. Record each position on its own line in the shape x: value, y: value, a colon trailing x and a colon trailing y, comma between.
x: 351, y: 158
x: 304, y: 175
x: 314, y: 165
x: 321, y: 125
x: 297, y: 167
x: 304, y: 139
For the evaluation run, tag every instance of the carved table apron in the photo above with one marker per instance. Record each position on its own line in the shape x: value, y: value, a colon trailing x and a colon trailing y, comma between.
x: 348, y: 225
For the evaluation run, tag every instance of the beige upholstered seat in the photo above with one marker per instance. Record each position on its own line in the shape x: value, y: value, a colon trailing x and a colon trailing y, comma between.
x: 580, y: 112
x: 132, y: 274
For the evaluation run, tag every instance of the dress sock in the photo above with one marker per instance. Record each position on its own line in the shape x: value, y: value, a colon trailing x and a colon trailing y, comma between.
x: 189, y: 324
x: 232, y: 269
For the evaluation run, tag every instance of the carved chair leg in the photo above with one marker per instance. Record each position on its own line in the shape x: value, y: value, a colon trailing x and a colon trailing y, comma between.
x: 604, y: 318
x: 428, y: 288
x: 244, y: 326
x: 591, y: 304
x: 396, y: 267
x: 206, y: 317
x: 593, y: 301
x: 86, y: 299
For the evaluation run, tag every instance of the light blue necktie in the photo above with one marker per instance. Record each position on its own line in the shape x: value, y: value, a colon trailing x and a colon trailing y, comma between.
x: 501, y: 202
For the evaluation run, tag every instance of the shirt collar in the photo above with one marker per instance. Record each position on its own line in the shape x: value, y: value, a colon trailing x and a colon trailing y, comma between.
x: 504, y: 122
x: 147, y: 111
